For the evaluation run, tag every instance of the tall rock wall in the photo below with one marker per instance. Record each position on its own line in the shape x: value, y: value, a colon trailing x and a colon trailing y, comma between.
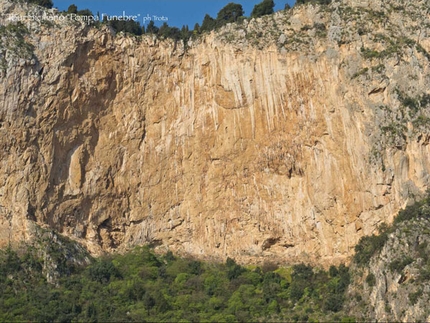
x: 280, y: 139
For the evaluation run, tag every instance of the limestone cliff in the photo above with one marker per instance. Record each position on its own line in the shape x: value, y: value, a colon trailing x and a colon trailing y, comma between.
x: 285, y: 138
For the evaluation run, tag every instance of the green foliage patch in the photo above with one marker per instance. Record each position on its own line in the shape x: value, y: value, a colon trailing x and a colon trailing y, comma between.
x: 263, y: 8
x: 414, y: 297
x: 420, y: 209
x: 368, y: 246
x: 144, y: 287
x: 320, y: 2
x: 399, y: 264
x: 394, y: 47
x: 12, y: 38
x: 371, y: 280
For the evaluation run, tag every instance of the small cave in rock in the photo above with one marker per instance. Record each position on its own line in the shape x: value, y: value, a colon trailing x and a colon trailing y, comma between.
x: 268, y: 243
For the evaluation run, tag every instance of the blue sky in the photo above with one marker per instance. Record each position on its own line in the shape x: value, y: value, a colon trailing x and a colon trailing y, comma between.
x: 178, y: 12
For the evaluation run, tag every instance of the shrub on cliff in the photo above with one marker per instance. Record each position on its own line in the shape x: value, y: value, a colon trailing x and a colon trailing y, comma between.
x: 129, y: 26
x: 44, y: 3
x: 321, y: 2
x: 368, y: 246
x: 417, y: 210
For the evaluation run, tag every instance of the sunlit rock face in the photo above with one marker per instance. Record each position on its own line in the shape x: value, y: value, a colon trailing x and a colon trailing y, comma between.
x: 285, y: 138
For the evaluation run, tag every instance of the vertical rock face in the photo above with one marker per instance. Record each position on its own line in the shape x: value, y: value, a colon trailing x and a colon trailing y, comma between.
x: 284, y: 138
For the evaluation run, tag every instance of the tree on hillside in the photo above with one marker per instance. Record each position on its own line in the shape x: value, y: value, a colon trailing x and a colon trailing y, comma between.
x: 175, y: 33
x: 72, y: 9
x: 230, y: 13
x: 152, y: 29
x: 127, y: 26
x: 170, y: 32
x: 85, y: 12
x: 208, y: 23
x: 263, y: 8
x: 164, y: 30
x: 185, y: 33
x: 196, y: 29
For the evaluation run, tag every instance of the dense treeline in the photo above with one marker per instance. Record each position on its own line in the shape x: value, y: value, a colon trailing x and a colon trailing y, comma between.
x: 140, y: 286
x: 231, y: 13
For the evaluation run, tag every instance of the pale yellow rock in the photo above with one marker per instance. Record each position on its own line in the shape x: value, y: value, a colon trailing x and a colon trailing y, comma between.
x: 260, y: 152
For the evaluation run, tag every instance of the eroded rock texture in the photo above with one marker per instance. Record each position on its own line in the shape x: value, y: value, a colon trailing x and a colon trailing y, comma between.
x: 285, y: 138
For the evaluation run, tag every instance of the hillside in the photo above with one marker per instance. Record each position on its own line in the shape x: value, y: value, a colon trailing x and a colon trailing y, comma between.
x: 391, y: 271
x: 54, y: 279
x: 285, y: 138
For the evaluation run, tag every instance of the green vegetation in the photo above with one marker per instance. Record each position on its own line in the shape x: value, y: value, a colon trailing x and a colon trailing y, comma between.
x: 418, y: 210
x: 141, y: 286
x: 394, y: 47
x: 73, y: 9
x: 50, y: 281
x: 44, y: 3
x: 371, y: 280
x: 368, y: 246
x: 398, y: 265
x: 414, y: 105
x: 394, y: 131
x: 208, y: 23
x: 128, y: 26
x: 404, y: 263
x: 263, y: 8
x: 13, y: 40
x: 230, y: 13
x: 414, y: 297
x: 369, y: 54
x: 371, y: 245
x: 394, y: 121
x: 320, y: 30
x: 321, y: 2
x: 360, y: 73
x: 416, y: 108
x: 379, y: 68
x: 151, y: 28
x: 421, y: 121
